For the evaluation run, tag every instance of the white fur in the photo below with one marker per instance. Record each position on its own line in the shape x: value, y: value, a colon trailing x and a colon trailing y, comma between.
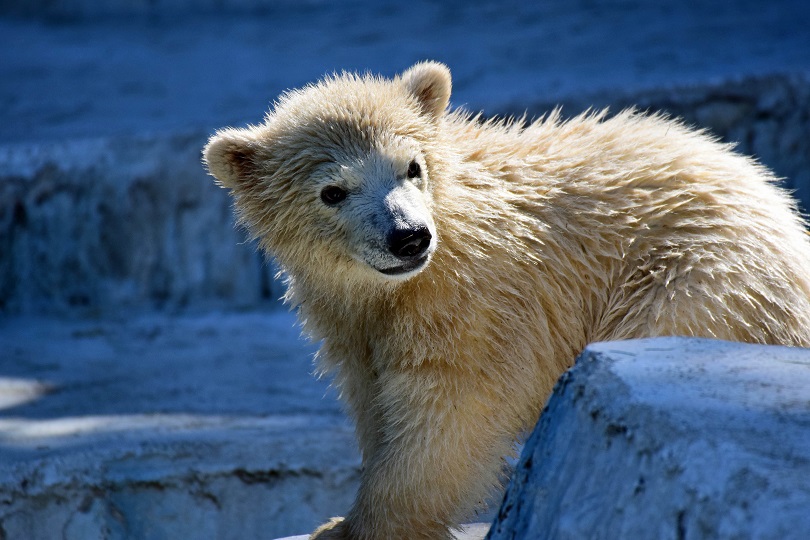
x: 548, y: 235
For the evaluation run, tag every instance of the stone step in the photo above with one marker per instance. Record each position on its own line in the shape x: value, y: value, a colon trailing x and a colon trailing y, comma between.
x: 205, y: 427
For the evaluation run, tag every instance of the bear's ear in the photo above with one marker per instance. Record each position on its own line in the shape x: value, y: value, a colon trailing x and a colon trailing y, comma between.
x: 230, y: 156
x: 430, y: 83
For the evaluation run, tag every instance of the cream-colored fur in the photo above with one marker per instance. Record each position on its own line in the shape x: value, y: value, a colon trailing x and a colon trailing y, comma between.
x: 548, y: 236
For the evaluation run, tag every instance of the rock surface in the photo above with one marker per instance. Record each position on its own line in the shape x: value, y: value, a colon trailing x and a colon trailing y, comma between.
x: 204, y: 427
x: 669, y: 438
x: 115, y: 224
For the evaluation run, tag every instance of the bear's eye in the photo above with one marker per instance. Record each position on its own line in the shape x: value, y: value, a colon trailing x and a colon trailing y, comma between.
x: 414, y: 170
x: 332, y: 195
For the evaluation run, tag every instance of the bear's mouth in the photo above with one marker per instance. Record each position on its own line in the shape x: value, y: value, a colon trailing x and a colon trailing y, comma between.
x: 405, y: 268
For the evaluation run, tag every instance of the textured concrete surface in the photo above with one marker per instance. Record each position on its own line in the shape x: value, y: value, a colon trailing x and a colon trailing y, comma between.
x: 150, y: 70
x: 207, y: 426
x: 669, y: 438
x: 112, y: 224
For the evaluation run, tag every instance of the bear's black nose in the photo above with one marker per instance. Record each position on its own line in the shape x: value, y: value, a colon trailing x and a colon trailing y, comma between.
x: 409, y: 243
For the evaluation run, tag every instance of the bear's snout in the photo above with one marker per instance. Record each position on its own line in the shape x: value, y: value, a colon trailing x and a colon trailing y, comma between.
x: 409, y: 243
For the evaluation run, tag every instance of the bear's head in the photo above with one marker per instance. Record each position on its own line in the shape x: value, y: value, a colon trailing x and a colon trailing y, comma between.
x: 337, y: 179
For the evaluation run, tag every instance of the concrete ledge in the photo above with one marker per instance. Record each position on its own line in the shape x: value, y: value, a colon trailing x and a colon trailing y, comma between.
x: 204, y: 427
x: 166, y: 476
x: 669, y: 438
x: 115, y: 224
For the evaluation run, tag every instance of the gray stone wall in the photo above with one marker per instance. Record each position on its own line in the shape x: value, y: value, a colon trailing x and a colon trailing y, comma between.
x: 119, y: 224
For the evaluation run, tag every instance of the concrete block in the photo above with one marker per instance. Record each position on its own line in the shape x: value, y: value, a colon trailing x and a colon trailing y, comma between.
x: 669, y: 438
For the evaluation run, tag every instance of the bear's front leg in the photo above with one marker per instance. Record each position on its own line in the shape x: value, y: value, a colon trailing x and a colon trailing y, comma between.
x: 440, y: 453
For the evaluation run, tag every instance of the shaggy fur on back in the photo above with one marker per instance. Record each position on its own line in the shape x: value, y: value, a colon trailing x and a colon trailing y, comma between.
x: 550, y: 235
